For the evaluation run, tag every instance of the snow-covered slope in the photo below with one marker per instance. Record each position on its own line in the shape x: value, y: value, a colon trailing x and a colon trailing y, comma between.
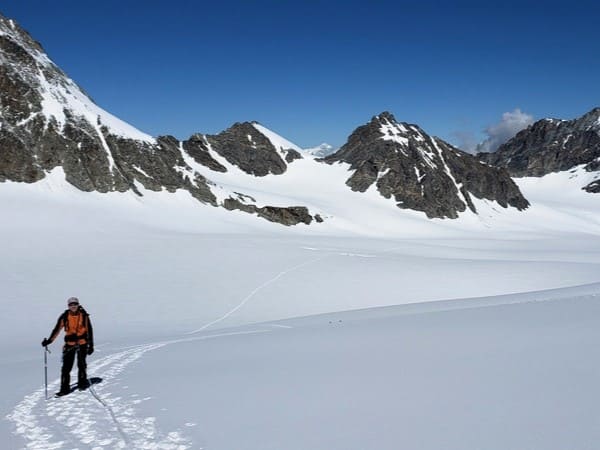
x: 49, y: 124
x: 163, y: 278
x: 496, y: 373
x: 62, y: 99
x: 188, y: 299
x: 278, y: 142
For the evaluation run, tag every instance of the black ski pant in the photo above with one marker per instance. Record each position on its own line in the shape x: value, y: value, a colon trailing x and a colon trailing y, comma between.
x: 68, y: 359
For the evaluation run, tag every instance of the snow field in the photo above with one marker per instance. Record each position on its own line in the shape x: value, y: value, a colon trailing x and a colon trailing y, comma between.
x: 491, y: 376
x: 161, y: 274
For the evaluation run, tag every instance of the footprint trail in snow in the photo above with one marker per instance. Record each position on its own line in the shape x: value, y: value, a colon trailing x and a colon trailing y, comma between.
x: 80, y: 420
x: 99, y: 420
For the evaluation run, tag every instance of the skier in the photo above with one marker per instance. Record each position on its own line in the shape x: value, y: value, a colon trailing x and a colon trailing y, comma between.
x: 79, y: 338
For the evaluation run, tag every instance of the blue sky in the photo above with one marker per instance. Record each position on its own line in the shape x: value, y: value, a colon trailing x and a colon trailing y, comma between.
x: 313, y: 71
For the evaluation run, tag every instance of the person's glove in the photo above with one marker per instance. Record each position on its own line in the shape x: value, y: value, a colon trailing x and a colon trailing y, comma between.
x: 90, y: 349
x: 45, y: 342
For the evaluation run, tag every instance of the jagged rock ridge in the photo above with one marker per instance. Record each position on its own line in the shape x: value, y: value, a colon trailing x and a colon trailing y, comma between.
x: 552, y: 145
x: 47, y: 121
x: 421, y: 172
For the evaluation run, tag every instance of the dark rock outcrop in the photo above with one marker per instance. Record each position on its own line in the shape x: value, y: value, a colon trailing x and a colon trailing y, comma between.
x: 593, y: 187
x: 47, y: 121
x: 421, y: 172
x: 552, y: 145
x: 291, y: 215
x: 197, y: 147
x: 292, y: 155
x: 246, y: 147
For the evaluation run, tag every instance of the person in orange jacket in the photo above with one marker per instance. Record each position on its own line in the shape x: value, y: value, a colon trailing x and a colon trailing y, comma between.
x: 79, y: 338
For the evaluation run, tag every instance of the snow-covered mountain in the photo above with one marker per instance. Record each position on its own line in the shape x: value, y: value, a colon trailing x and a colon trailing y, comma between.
x: 422, y: 172
x: 49, y: 123
x: 321, y: 151
x: 552, y: 145
x: 217, y: 329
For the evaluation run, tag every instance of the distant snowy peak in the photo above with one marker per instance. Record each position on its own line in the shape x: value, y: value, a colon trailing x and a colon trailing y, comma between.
x: 321, y: 150
x: 421, y: 172
x: 552, y: 145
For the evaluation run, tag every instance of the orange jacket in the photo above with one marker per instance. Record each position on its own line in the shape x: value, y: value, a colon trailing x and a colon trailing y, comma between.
x: 77, y: 326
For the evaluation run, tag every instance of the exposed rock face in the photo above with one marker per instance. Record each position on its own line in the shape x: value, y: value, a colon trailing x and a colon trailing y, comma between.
x: 593, y: 187
x: 551, y: 145
x: 421, y: 172
x: 291, y: 215
x: 47, y: 121
x: 292, y: 155
x: 244, y: 146
x: 197, y: 147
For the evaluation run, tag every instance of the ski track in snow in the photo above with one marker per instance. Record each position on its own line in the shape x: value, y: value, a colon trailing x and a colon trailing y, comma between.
x: 277, y: 277
x: 256, y: 290
x: 97, y: 419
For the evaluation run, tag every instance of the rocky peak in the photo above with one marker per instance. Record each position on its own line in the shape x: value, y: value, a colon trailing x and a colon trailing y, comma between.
x: 552, y: 145
x: 47, y: 121
x: 589, y: 121
x: 421, y: 172
x: 246, y: 147
x: 385, y: 126
x: 11, y: 31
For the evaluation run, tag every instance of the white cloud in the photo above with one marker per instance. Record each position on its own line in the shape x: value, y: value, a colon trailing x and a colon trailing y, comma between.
x: 510, y: 124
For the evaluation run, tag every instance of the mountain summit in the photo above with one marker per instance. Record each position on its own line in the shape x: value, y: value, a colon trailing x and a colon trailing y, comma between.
x: 552, y: 145
x: 421, y: 172
x: 48, y: 124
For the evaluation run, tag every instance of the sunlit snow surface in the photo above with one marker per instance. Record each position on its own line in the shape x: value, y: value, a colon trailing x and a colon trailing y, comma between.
x: 187, y: 302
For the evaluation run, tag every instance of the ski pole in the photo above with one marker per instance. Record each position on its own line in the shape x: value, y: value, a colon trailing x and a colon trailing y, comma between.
x: 46, y: 351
